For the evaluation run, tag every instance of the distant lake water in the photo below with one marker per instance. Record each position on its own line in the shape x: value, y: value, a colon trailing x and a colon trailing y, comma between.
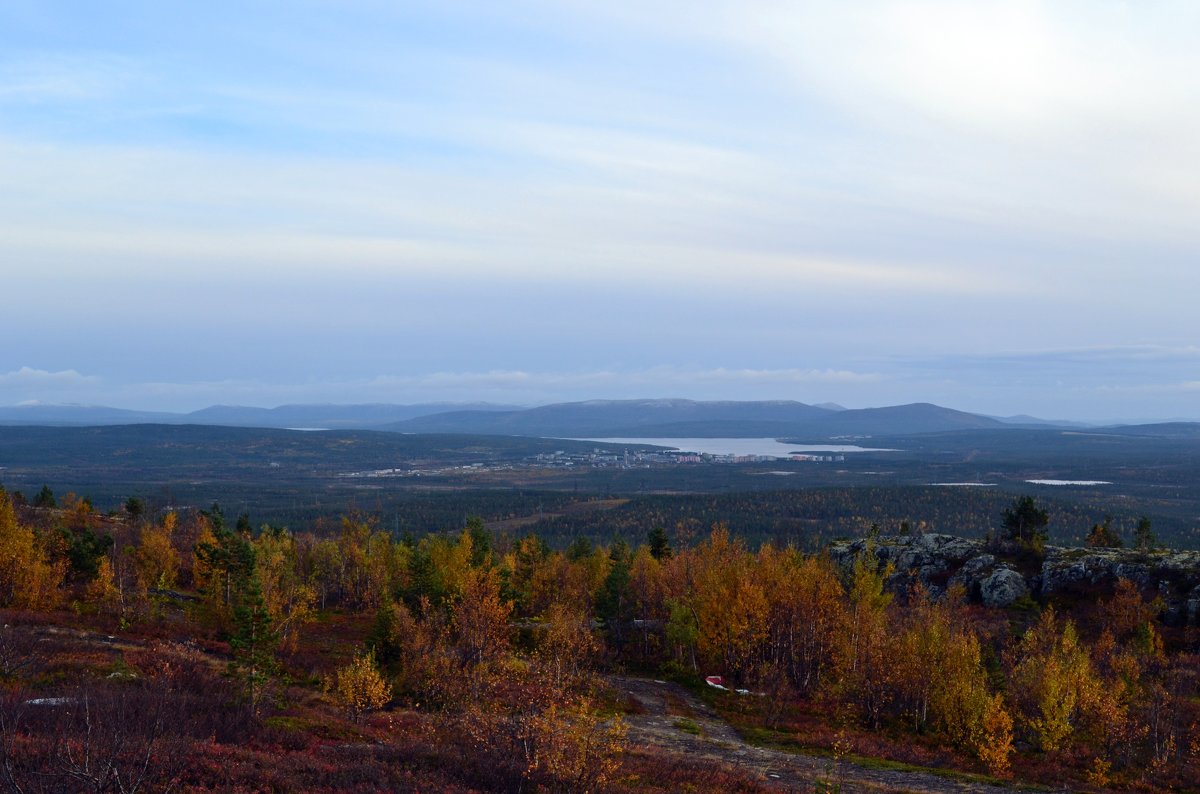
x: 736, y: 446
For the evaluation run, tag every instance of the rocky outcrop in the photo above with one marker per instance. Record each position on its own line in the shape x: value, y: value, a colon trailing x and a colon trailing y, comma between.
x: 1073, y: 569
x: 1192, y: 607
x: 933, y: 559
x: 941, y: 561
x: 1002, y: 588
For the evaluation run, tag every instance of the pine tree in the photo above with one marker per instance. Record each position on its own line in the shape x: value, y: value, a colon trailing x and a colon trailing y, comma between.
x: 45, y: 498
x: 481, y: 542
x: 660, y: 546
x: 1143, y: 536
x: 614, y: 605
x: 1026, y: 523
x: 253, y: 642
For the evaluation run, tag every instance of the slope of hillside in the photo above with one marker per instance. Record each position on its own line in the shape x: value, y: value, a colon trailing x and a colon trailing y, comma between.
x: 331, y: 416
x: 77, y: 415
x: 611, y: 417
x: 901, y: 420
x: 684, y: 418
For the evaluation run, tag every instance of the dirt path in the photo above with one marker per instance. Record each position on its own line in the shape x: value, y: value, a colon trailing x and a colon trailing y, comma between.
x: 676, y: 720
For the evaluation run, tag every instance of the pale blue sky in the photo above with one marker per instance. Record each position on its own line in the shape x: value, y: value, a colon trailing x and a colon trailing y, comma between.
x: 987, y: 205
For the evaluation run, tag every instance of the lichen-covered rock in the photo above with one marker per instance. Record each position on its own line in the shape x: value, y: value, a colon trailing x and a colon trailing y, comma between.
x: 943, y: 561
x: 978, y: 565
x: 931, y: 559
x: 1002, y: 588
x: 1065, y: 570
x: 972, y: 573
x: 906, y: 552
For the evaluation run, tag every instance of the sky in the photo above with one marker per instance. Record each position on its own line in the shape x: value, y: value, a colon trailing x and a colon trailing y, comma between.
x: 990, y: 205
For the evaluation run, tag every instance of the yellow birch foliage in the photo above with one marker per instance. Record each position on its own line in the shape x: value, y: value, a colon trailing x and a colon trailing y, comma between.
x: 156, y: 560
x: 729, y: 602
x: 451, y: 561
x: 566, y: 645
x: 28, y: 579
x: 591, y: 571
x: 811, y: 599
x: 102, y: 591
x: 360, y: 687
x: 649, y: 595
x: 865, y: 653
x: 576, y: 746
x: 1053, y: 682
x: 923, y: 645
x: 322, y: 570
x: 480, y: 619
x: 546, y: 583
x: 962, y: 708
x: 353, y: 542
x: 993, y: 741
x: 289, y: 600
x: 201, y: 570
x: 646, y: 583
x: 1118, y: 731
x: 78, y: 512
x: 1125, y: 611
x: 557, y: 580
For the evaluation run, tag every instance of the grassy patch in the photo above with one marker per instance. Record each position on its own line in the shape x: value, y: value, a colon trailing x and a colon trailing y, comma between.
x: 613, y: 703
x: 687, y: 726
x: 323, y: 729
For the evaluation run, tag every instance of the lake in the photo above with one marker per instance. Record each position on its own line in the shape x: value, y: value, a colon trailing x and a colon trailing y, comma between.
x: 737, y: 446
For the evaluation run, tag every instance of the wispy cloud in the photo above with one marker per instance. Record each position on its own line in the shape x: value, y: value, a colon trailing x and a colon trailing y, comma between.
x: 230, y: 212
x: 64, y: 77
x: 30, y: 377
x: 1088, y: 359
x: 627, y: 382
x: 530, y: 387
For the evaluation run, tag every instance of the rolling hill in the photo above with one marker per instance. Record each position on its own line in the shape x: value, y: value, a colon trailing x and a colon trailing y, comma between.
x: 666, y: 418
x: 683, y: 418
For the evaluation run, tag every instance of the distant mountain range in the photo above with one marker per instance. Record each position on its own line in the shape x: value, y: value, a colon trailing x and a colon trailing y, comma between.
x: 82, y: 415
x: 346, y: 417
x: 684, y: 418
x: 616, y: 418
x: 675, y: 418
x: 666, y: 418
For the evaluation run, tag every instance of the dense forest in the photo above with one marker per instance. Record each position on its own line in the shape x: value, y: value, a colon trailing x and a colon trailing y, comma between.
x: 192, y: 649
x: 809, y: 518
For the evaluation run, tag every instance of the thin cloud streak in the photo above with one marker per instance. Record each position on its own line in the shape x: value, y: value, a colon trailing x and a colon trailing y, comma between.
x: 28, y: 377
x: 504, y: 386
